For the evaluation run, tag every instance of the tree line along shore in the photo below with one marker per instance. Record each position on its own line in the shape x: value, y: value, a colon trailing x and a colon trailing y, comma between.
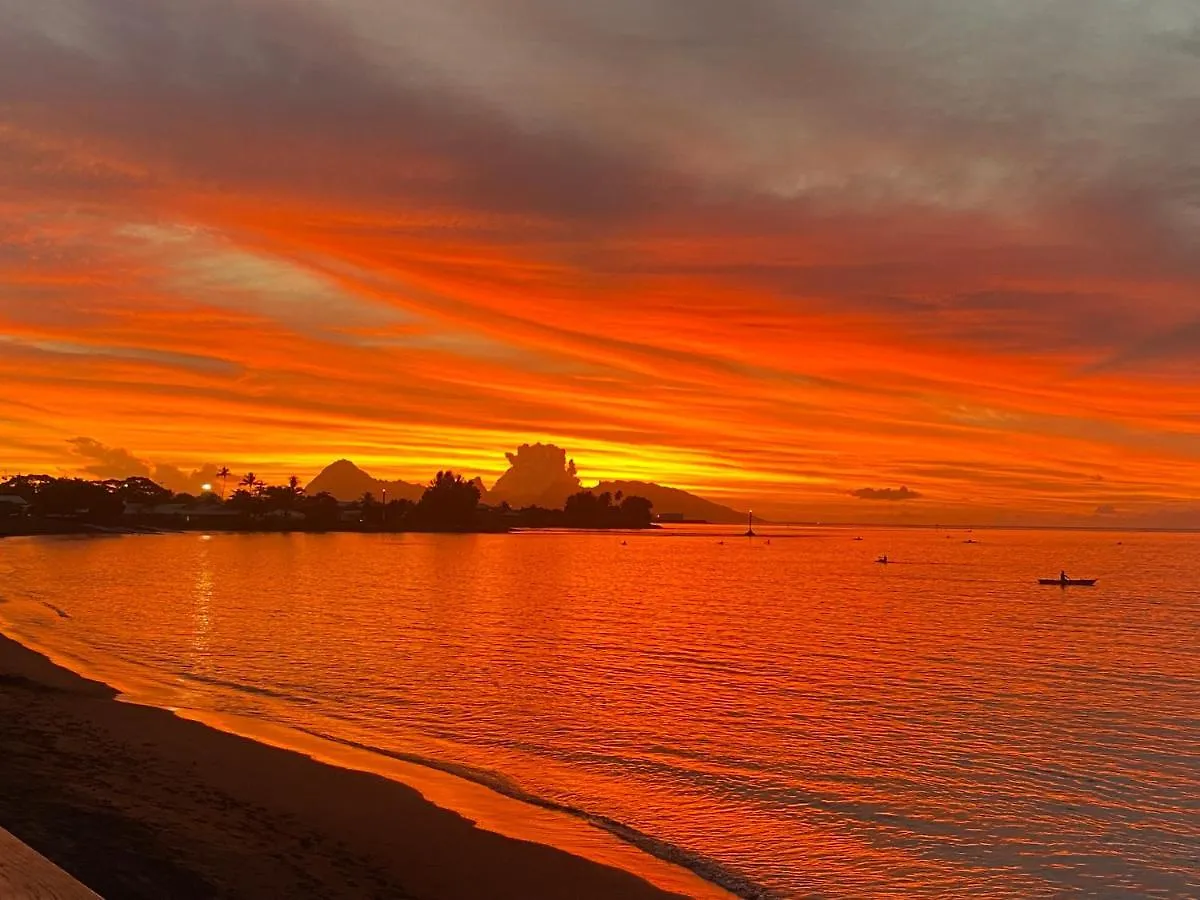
x: 45, y: 504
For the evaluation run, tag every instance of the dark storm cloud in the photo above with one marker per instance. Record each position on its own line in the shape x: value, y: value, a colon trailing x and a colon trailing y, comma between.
x: 595, y: 110
x: 108, y: 462
x: 102, y: 461
x: 981, y: 96
x: 235, y: 94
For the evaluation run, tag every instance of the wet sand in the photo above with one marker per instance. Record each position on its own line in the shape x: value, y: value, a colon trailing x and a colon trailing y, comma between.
x: 138, y: 803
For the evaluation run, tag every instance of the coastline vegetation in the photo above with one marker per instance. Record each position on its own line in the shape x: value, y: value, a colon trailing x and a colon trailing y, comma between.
x: 45, y: 504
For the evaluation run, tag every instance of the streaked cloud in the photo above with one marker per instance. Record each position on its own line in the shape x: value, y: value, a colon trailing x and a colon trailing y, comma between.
x: 760, y: 249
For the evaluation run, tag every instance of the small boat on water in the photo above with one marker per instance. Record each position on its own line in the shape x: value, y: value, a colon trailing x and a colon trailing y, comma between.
x: 1069, y: 582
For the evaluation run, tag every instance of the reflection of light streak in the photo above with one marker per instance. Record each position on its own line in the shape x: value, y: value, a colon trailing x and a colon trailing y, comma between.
x: 201, y: 607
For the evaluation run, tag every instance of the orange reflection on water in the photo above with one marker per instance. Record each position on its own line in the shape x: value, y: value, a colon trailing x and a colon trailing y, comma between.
x: 789, y: 714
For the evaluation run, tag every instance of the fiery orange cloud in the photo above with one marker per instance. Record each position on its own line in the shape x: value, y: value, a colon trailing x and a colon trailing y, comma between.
x: 271, y: 244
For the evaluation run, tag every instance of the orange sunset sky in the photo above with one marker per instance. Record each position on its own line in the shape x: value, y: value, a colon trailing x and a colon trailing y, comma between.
x: 773, y: 252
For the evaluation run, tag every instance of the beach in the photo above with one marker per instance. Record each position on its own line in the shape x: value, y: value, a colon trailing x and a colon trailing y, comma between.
x: 137, y: 802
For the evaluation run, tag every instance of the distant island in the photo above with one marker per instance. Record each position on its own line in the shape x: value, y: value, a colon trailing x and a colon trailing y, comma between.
x: 539, y: 475
x: 540, y: 490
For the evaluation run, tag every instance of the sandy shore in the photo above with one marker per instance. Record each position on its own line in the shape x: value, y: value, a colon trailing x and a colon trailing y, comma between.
x: 136, y: 802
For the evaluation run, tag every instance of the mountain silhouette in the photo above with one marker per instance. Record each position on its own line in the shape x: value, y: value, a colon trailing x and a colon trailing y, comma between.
x: 668, y: 500
x: 540, y: 475
x: 347, y: 482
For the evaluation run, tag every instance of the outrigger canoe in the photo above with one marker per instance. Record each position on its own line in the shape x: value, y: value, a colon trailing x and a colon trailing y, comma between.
x: 1077, y: 582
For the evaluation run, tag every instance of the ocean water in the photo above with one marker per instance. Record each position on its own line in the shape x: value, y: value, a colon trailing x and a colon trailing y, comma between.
x: 787, y: 717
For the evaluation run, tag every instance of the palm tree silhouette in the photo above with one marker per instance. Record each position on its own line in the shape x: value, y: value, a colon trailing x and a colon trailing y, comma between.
x: 224, y: 474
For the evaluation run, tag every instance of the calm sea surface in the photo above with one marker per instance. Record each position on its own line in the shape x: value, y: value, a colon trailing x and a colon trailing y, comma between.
x: 788, y: 716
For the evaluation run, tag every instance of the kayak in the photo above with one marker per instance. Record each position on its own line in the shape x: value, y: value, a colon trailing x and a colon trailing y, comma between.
x: 1079, y: 582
